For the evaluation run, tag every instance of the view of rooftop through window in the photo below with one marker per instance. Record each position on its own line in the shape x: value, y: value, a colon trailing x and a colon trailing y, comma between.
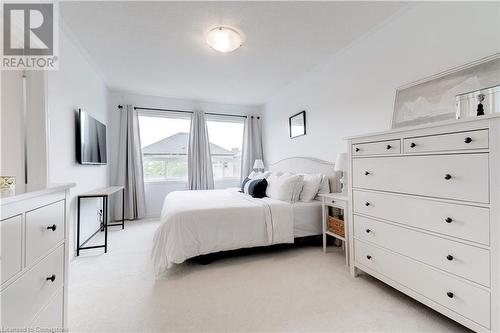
x: 164, y: 141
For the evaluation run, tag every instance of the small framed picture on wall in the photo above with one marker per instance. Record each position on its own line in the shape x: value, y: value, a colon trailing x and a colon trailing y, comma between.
x: 297, y: 124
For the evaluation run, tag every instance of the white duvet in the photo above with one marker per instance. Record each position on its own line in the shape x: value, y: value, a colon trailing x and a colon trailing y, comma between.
x: 201, y: 222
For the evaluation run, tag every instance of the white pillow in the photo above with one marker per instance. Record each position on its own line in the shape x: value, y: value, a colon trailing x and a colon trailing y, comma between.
x: 272, y: 185
x: 252, y: 175
x: 259, y: 175
x: 310, y: 187
x: 324, y: 186
x: 298, y: 187
x: 284, y: 187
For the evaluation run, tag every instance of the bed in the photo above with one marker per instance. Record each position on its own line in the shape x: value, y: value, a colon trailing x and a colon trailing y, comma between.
x: 195, y: 223
x: 306, y: 218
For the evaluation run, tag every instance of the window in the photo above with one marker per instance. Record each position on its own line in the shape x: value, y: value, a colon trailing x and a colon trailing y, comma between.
x: 164, y: 142
x: 226, y: 141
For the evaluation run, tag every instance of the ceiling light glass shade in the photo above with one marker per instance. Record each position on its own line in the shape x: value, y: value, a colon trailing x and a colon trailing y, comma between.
x: 224, y: 39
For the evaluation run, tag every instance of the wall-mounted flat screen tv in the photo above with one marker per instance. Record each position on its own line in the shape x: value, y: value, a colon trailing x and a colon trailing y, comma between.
x: 91, y: 140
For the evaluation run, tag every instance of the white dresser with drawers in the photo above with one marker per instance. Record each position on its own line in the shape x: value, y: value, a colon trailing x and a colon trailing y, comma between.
x: 34, y: 259
x: 425, y: 215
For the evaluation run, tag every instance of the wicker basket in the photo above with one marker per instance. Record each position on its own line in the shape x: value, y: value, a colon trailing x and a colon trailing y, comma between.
x: 336, y: 226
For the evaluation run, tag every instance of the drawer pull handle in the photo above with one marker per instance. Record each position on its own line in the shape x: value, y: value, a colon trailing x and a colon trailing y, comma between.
x: 447, y: 176
x: 388, y: 147
x: 368, y: 257
x: 413, y: 145
x: 333, y: 201
x: 449, y: 220
x: 368, y: 231
x: 367, y: 204
x: 357, y: 149
x: 52, y: 227
x: 468, y: 140
x: 449, y: 257
x: 51, y: 278
x: 450, y: 294
x: 367, y: 173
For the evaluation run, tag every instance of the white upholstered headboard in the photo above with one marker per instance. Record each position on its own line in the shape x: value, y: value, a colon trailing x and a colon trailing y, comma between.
x: 300, y: 164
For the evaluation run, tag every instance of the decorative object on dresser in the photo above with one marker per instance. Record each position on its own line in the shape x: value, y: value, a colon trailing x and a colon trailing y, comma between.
x: 426, y: 215
x: 34, y: 261
x: 479, y: 102
x: 342, y: 165
x: 7, y: 182
x: 334, y: 226
x: 103, y: 193
x: 434, y: 98
x: 297, y: 124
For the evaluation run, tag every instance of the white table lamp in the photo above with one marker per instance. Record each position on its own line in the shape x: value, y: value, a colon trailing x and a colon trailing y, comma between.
x: 258, y: 165
x: 341, y: 165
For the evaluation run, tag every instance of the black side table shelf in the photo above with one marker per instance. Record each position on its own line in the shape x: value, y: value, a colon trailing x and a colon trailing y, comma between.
x: 103, y: 193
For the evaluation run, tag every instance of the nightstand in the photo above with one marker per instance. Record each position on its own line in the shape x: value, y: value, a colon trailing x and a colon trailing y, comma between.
x: 340, y: 201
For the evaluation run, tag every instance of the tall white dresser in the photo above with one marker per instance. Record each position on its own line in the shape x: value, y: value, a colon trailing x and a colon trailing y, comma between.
x: 426, y: 212
x: 34, y: 259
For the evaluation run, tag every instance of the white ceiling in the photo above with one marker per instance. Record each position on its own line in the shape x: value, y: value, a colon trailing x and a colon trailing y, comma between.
x: 158, y: 48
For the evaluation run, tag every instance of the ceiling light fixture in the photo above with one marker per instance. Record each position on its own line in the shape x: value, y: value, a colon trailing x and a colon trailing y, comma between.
x: 224, y: 39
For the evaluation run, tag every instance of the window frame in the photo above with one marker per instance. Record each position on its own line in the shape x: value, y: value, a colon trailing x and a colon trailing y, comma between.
x: 163, y: 114
x: 229, y: 119
x: 187, y: 116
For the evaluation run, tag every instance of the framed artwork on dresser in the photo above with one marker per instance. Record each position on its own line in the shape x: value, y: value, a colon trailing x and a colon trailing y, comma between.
x: 435, y: 98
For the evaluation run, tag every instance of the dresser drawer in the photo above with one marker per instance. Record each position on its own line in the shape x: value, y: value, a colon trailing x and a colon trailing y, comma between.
x: 25, y: 297
x: 467, y: 261
x: 447, y: 142
x: 11, y: 231
x: 377, y: 148
x: 461, y: 221
x: 467, y: 300
x: 44, y: 230
x: 52, y: 315
x: 460, y: 177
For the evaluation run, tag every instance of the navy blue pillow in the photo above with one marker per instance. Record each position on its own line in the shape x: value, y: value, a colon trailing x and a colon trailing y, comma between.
x: 256, y: 188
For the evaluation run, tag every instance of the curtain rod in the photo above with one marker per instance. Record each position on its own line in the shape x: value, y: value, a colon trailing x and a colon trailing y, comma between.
x: 185, y: 111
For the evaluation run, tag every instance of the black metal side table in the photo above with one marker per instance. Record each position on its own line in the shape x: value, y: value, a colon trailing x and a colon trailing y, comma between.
x: 103, y: 193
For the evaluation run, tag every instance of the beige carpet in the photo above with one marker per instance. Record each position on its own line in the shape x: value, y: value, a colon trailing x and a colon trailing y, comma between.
x: 299, y: 289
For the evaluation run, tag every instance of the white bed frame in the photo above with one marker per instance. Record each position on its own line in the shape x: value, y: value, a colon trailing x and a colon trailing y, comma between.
x: 300, y: 164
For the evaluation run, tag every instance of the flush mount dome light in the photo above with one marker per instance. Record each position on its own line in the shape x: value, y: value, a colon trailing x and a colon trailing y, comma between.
x: 224, y: 39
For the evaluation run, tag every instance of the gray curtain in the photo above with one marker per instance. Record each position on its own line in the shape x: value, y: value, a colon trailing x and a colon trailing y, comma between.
x: 130, y: 173
x: 252, y: 145
x: 200, y: 173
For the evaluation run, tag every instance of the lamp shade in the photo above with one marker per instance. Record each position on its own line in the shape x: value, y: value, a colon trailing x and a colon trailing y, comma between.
x: 259, y: 164
x: 341, y: 162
